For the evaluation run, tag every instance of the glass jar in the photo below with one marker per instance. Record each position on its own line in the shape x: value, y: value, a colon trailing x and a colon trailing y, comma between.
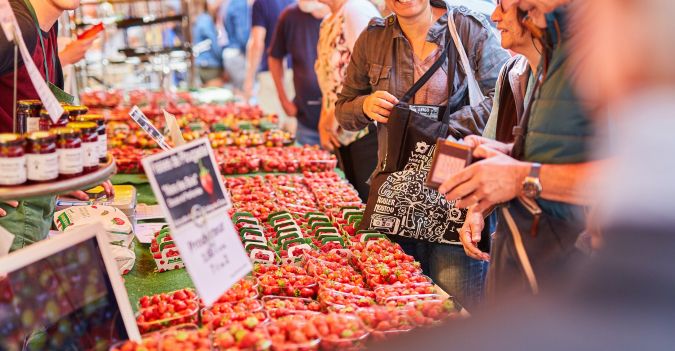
x: 42, y: 161
x: 76, y: 111
x: 89, y: 135
x: 12, y: 159
x: 69, y: 150
x: 101, y: 130
x: 46, y: 122
x: 28, y: 115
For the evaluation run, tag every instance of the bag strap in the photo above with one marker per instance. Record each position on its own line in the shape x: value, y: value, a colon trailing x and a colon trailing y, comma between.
x: 520, y: 251
x: 476, y: 96
x: 427, y: 75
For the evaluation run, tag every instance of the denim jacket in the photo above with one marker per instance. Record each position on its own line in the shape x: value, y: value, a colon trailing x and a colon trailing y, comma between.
x: 371, y: 69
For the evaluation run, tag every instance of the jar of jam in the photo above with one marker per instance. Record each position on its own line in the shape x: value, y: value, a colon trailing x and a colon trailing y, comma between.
x: 12, y: 159
x: 42, y: 161
x: 101, y: 130
x: 28, y: 115
x: 89, y: 135
x: 76, y: 111
x: 69, y: 150
x: 46, y: 122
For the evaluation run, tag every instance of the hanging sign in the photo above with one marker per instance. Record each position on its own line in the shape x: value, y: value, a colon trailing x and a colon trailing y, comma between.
x: 189, y: 190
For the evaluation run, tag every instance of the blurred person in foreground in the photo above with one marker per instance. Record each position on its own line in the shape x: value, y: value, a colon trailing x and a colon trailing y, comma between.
x: 357, y: 151
x: 30, y: 220
x: 533, y: 181
x: 296, y: 36
x: 622, y: 298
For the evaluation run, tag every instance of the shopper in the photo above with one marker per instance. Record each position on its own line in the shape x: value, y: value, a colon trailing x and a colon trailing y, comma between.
x: 264, y: 16
x: 514, y: 87
x: 388, y: 58
x: 30, y: 220
x: 296, y: 36
x: 540, y: 171
x: 209, y: 61
x: 237, y: 24
x: 357, y: 151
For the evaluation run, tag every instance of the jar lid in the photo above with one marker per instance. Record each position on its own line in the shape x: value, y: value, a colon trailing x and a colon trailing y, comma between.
x: 90, y: 118
x: 76, y: 109
x: 65, y: 131
x: 45, y: 114
x: 30, y: 104
x: 41, y: 136
x: 11, y: 139
x: 84, y: 126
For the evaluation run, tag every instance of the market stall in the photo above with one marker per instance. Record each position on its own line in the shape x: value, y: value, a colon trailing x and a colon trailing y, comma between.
x: 294, y: 214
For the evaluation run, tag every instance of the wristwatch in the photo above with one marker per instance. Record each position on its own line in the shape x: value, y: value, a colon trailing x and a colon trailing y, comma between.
x: 532, y: 185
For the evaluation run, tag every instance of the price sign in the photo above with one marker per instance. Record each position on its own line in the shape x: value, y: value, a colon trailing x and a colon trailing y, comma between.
x: 173, y: 129
x: 142, y: 120
x: 7, y: 19
x: 189, y: 190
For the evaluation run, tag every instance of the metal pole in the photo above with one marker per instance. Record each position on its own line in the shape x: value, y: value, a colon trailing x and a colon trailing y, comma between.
x: 16, y: 79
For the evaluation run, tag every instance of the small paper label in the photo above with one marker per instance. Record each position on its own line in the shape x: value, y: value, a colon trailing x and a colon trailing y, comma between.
x: 12, y: 170
x: 70, y: 161
x: 90, y: 154
x: 42, y: 167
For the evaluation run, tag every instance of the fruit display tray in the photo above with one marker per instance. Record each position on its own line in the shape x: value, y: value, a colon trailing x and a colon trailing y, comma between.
x: 104, y: 172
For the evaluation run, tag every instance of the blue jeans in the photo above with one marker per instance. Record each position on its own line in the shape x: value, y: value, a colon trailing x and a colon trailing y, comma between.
x: 449, y: 267
x: 307, y: 136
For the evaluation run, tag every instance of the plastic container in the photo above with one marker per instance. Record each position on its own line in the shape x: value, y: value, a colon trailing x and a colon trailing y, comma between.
x: 289, y: 285
x: 239, y: 337
x: 251, y: 319
x: 150, y: 342
x: 345, y: 288
x: 305, y: 337
x: 189, y: 316
x: 246, y: 288
x: 384, y: 322
x: 186, y: 337
x: 281, y: 306
x: 333, y: 300
x: 385, y: 292
x: 432, y: 312
x: 341, y: 332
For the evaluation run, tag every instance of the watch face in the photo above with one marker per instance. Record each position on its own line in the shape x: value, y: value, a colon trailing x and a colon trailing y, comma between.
x: 531, y: 188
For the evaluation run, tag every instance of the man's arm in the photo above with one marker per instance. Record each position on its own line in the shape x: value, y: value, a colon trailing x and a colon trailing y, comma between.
x: 277, y: 52
x: 254, y: 53
x: 499, y: 178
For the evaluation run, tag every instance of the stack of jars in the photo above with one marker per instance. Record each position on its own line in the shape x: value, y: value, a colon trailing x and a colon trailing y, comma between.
x: 45, y: 150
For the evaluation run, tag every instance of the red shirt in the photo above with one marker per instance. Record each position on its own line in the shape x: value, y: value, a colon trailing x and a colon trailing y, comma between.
x: 25, y: 88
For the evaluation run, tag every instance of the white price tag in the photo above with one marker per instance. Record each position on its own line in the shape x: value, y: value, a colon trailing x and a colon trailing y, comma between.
x: 174, y: 130
x: 142, y: 120
x: 188, y: 188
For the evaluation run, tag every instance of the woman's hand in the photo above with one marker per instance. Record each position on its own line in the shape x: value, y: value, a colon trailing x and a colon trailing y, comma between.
x: 328, y: 127
x: 11, y: 204
x: 378, y: 106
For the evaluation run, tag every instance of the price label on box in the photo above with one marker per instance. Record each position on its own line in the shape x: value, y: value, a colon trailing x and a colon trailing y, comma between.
x: 187, y: 184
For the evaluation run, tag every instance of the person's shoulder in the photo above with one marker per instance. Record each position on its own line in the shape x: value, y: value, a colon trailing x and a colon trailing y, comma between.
x: 463, y: 13
x: 379, y: 24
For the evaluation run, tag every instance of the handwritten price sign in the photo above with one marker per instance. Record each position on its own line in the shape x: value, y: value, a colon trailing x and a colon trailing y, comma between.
x: 189, y: 190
